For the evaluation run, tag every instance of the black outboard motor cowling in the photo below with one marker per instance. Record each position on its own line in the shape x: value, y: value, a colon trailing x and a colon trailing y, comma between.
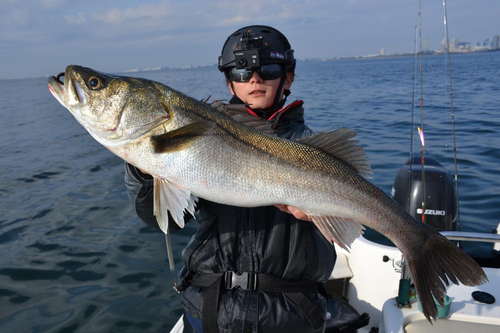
x: 440, y: 202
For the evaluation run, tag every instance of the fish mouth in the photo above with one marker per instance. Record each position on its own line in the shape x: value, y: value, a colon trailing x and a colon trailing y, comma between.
x: 56, y: 87
x: 67, y: 91
x: 65, y: 88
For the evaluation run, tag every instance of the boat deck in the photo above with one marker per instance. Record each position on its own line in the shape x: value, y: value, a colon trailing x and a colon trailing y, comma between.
x: 466, y: 314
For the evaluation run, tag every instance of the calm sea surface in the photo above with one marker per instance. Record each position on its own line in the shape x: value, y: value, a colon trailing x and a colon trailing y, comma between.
x: 75, y: 258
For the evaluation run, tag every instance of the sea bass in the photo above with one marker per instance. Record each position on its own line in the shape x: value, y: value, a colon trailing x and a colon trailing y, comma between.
x: 194, y: 151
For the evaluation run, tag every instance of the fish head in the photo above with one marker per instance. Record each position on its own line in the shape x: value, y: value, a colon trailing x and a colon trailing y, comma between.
x: 115, y: 110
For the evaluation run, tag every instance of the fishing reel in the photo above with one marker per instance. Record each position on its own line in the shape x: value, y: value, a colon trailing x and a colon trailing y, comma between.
x: 397, y: 265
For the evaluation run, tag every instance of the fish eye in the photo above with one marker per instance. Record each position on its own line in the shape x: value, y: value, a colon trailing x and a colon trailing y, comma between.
x: 94, y: 82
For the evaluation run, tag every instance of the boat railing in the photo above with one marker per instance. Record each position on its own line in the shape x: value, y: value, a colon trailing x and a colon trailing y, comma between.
x: 471, y: 236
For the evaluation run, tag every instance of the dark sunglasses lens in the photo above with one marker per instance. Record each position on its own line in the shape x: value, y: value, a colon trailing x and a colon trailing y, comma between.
x: 270, y: 72
x: 240, y: 75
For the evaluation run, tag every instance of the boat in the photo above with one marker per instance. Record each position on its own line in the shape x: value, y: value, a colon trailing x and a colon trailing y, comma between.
x: 370, y: 276
x: 466, y: 309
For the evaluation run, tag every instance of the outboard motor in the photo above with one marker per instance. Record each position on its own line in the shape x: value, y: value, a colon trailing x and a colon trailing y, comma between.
x: 440, y: 201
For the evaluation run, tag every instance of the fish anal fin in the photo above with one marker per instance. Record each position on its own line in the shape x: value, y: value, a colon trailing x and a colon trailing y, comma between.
x: 173, y: 199
x: 340, y: 230
x: 337, y: 143
x: 181, y: 138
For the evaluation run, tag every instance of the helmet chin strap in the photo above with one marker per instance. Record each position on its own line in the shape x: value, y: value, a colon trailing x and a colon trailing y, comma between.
x: 277, y: 103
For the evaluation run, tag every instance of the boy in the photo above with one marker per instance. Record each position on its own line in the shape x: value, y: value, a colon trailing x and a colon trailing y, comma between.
x: 252, y: 269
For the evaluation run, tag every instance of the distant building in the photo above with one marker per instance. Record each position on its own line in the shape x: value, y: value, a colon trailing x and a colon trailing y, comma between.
x: 454, y: 44
x: 464, y: 46
x: 427, y: 44
x: 444, y: 45
x: 486, y: 43
x: 495, y: 42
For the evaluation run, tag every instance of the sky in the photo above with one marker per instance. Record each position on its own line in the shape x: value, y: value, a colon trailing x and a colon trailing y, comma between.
x: 42, y: 37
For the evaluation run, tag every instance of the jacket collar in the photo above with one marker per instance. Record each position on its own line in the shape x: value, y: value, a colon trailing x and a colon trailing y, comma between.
x: 292, y: 112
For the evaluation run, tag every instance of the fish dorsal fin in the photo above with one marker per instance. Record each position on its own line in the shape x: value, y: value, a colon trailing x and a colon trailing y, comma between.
x: 181, y: 138
x: 168, y: 197
x: 336, y: 143
x: 340, y: 230
x: 240, y: 113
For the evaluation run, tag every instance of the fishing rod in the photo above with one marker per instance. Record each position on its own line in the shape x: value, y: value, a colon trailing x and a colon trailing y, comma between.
x: 403, y: 297
x: 410, y: 178
x: 452, y: 111
x: 421, y: 128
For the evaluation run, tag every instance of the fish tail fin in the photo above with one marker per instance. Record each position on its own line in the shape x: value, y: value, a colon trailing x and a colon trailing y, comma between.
x: 435, y: 265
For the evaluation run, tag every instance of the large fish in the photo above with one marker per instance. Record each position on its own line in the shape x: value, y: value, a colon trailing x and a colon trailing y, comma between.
x: 195, y: 151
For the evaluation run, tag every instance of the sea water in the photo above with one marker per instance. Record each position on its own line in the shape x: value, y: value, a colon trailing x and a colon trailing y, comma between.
x: 74, y: 257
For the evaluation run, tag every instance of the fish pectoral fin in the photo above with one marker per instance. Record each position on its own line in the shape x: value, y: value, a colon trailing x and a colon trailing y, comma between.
x: 340, y: 230
x: 173, y: 199
x: 180, y: 138
x: 337, y: 144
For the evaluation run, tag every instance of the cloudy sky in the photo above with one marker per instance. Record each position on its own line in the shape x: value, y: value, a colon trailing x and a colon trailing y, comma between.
x: 41, y: 37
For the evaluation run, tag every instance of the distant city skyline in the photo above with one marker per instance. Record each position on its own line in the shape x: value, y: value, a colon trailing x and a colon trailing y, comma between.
x: 457, y: 46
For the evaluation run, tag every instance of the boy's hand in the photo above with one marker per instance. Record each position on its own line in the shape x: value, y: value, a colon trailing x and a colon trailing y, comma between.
x: 299, y: 215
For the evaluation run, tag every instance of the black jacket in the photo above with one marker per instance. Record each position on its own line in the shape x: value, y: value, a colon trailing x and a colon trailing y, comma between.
x: 260, y: 240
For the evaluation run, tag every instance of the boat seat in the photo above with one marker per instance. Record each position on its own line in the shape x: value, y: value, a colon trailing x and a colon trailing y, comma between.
x: 342, y: 317
x: 341, y: 270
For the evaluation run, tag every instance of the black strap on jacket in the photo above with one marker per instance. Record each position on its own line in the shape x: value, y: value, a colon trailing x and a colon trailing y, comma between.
x: 253, y: 281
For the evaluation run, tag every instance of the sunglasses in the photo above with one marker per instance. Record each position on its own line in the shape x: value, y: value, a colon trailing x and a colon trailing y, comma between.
x: 266, y: 72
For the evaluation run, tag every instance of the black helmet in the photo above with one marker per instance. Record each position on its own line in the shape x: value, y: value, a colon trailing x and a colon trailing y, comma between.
x: 254, y: 45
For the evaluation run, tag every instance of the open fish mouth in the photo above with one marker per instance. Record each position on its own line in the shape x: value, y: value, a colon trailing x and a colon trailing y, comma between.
x: 66, y: 89
x: 58, y: 78
x: 56, y: 87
